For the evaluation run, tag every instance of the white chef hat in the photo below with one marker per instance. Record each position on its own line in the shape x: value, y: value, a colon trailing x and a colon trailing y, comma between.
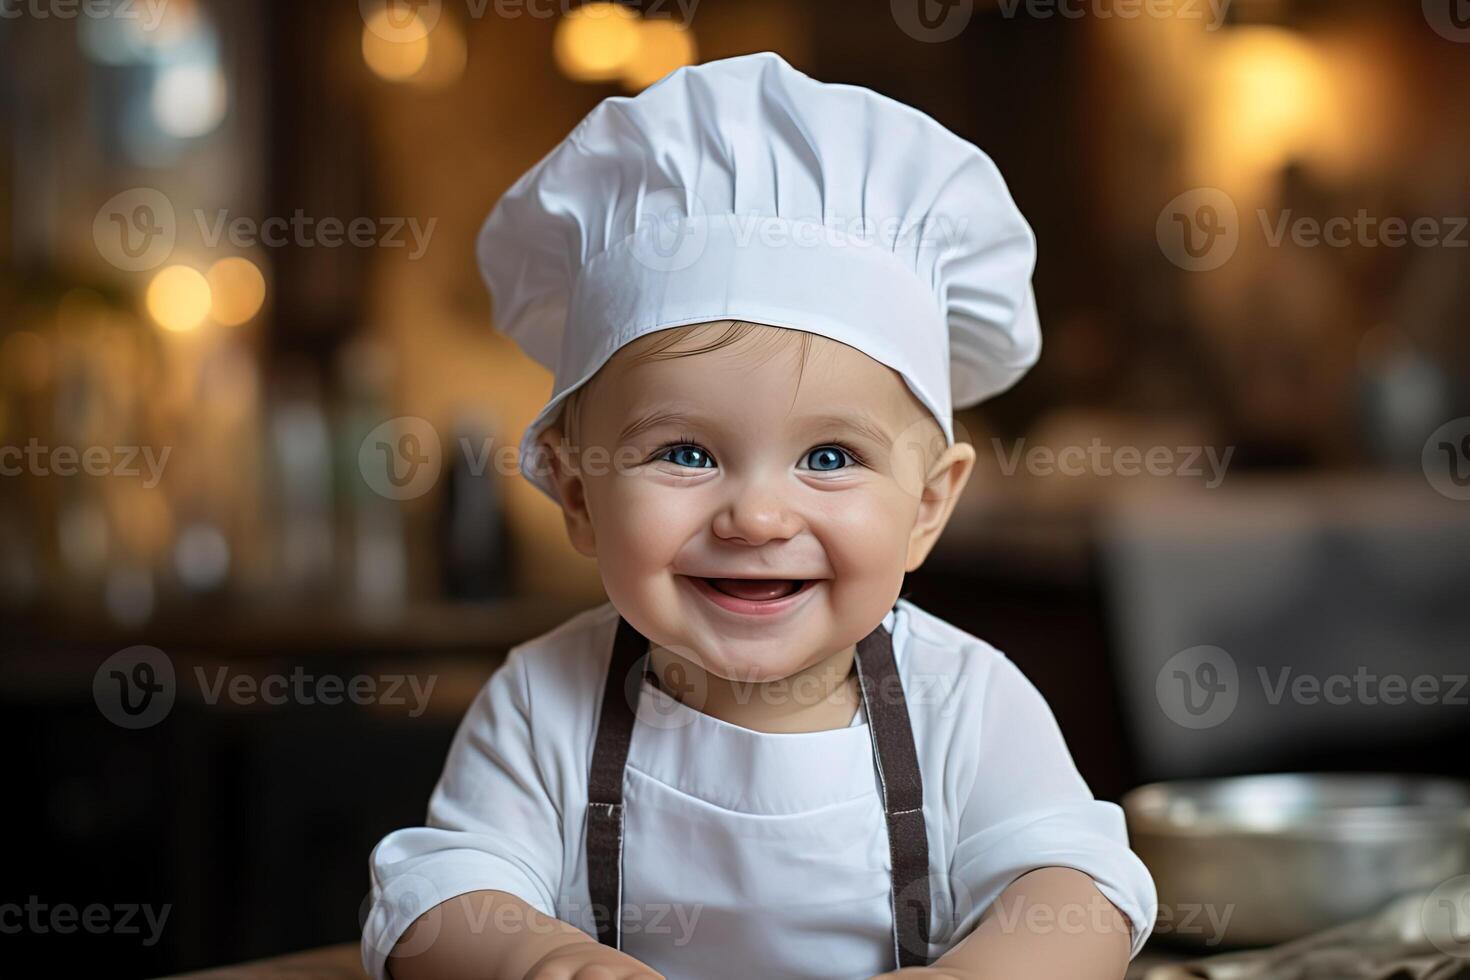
x: 742, y: 189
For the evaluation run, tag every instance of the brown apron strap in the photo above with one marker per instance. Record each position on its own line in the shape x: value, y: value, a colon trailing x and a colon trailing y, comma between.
x: 605, y: 784
x: 902, y: 787
x: 899, y: 783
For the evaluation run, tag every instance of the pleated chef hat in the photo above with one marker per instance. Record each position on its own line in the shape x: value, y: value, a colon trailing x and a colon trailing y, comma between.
x: 743, y: 189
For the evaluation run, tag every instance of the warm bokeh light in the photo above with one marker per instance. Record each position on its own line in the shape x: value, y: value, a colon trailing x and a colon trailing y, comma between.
x: 1271, y: 100
x: 391, y: 51
x: 596, y: 41
x: 663, y: 45
x: 237, y: 290
x: 178, y: 298
x: 446, y: 58
x: 189, y: 100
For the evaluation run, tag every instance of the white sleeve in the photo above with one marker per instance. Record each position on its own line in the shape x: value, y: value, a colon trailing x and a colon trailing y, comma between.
x: 492, y: 824
x: 1029, y: 808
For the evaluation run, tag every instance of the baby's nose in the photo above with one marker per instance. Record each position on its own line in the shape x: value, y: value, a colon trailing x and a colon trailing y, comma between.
x: 757, y: 512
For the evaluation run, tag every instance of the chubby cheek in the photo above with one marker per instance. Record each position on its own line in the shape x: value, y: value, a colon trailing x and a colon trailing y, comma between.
x: 640, y: 529
x: 866, y: 540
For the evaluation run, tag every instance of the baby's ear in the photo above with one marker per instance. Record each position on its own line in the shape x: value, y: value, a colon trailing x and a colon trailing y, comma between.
x: 943, y: 484
x: 571, y: 490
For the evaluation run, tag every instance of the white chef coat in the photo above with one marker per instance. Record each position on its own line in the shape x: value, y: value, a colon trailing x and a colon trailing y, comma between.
x: 750, y: 854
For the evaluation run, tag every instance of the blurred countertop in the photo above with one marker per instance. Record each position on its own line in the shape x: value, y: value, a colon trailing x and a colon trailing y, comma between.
x: 1048, y: 526
x: 54, y: 656
x: 429, y: 627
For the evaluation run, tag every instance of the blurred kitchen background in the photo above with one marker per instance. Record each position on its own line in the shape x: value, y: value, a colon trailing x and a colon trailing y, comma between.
x: 255, y: 414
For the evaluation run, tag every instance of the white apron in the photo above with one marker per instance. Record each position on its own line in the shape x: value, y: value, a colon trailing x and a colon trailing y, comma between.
x: 839, y: 851
x: 753, y: 854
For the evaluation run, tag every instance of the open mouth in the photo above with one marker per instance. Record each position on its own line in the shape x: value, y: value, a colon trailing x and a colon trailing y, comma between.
x: 753, y: 596
x: 758, y: 589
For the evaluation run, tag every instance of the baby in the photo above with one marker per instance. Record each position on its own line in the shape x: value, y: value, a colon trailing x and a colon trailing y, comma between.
x: 757, y: 760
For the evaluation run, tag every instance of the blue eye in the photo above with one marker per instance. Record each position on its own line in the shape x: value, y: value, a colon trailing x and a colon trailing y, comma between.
x: 689, y: 455
x: 828, y: 458
x: 824, y: 459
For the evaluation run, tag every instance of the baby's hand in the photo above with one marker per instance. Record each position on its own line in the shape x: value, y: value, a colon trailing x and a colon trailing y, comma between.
x: 589, y: 961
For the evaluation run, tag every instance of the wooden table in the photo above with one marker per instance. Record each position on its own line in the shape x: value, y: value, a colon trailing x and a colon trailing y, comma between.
x: 345, y: 963
x: 342, y: 962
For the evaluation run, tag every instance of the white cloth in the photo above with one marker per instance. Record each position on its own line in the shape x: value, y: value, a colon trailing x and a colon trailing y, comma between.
x: 751, y: 854
x: 743, y: 189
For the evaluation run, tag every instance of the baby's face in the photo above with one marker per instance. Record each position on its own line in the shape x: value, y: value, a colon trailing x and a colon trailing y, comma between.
x: 747, y: 522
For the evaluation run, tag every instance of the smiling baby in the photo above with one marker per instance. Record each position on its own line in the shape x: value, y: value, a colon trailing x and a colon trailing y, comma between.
x: 761, y: 296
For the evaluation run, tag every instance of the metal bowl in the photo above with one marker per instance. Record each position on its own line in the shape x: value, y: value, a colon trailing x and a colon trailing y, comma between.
x: 1260, y: 860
